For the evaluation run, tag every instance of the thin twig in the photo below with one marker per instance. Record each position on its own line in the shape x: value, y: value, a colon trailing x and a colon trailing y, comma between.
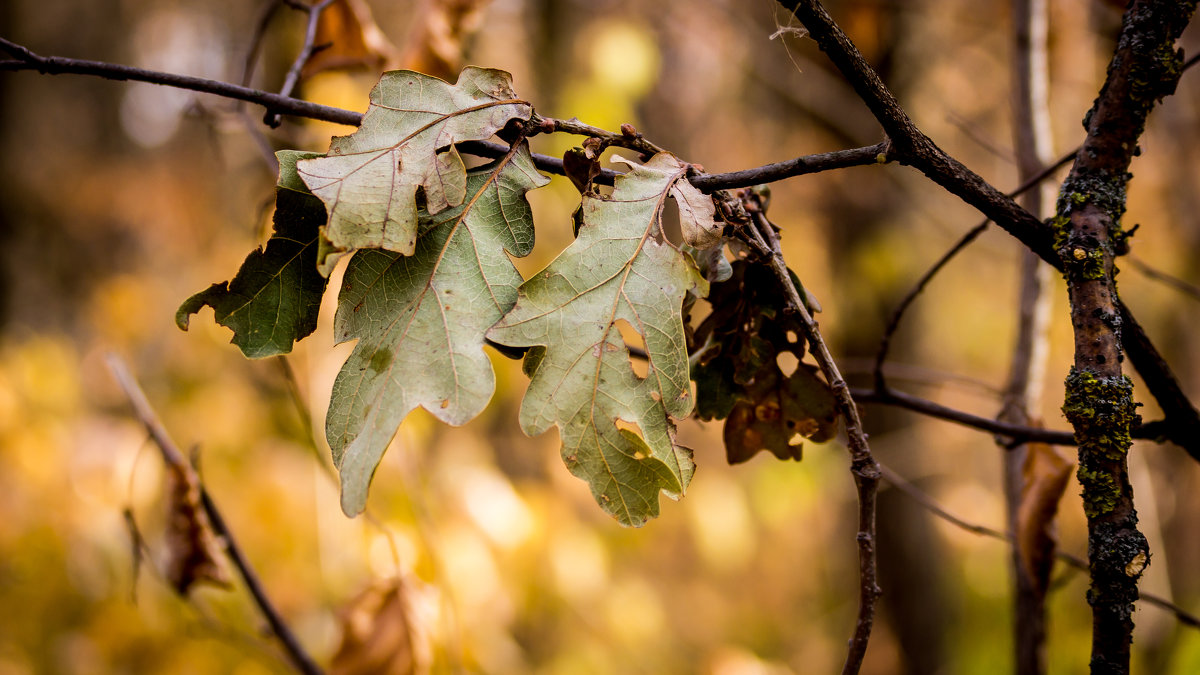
x: 862, y: 464
x: 297, y: 398
x: 1013, y: 432
x: 171, y: 454
x: 307, y: 51
x: 1017, y: 432
x: 768, y: 173
x: 893, y: 323
x: 930, y: 504
x: 260, y: 31
x: 57, y: 65
x: 628, y: 138
x: 1178, y: 284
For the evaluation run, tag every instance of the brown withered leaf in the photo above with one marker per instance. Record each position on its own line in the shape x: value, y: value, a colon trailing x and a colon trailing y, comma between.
x: 377, y: 633
x: 350, y: 39
x: 738, y: 376
x: 1044, y: 476
x: 779, y: 414
x: 437, y: 44
x: 193, y: 551
x: 581, y: 169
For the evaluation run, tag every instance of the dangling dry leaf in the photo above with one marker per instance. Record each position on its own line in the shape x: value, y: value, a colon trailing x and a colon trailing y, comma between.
x: 377, y: 634
x: 193, y: 554
x: 739, y: 378
x: 354, y: 40
x: 437, y: 44
x: 778, y: 413
x: 1044, y: 476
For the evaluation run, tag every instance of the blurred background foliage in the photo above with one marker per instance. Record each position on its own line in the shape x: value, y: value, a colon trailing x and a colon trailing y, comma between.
x: 119, y: 200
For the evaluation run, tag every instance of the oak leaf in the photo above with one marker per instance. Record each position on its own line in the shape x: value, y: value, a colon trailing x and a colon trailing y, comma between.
x: 402, y: 159
x: 738, y: 376
x: 616, y: 427
x: 420, y: 319
x: 274, y: 299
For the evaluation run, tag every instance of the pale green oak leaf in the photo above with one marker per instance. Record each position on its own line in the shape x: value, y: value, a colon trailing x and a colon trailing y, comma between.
x: 420, y: 320
x: 616, y: 428
x: 369, y: 179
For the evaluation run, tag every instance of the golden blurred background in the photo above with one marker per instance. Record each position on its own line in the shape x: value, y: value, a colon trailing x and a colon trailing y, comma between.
x: 119, y: 200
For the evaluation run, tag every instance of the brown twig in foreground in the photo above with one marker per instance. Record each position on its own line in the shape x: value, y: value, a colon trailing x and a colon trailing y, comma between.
x: 171, y: 454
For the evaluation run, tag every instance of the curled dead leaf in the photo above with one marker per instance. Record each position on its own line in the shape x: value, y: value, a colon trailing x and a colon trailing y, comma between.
x: 350, y: 38
x: 437, y: 44
x: 1044, y: 476
x: 697, y: 216
x: 193, y: 551
x: 377, y: 633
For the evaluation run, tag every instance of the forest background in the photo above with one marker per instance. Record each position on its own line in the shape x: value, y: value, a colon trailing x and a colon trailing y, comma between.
x: 118, y: 201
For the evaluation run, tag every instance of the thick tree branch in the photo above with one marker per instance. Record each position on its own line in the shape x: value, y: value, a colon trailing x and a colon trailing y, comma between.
x: 172, y: 455
x: 1088, y: 237
x: 909, y: 144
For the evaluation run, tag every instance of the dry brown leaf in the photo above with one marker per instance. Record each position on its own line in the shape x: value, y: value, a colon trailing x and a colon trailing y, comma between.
x: 353, y: 40
x: 442, y: 28
x: 193, y: 552
x: 780, y: 411
x: 1044, y: 476
x: 377, y: 633
x: 581, y: 169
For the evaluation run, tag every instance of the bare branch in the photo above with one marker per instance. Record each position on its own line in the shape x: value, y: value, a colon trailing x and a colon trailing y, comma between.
x: 893, y: 323
x: 260, y: 31
x: 1017, y: 432
x: 1032, y: 552
x: 57, y: 65
x: 1178, y: 284
x: 171, y: 454
x: 769, y: 173
x: 971, y: 235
